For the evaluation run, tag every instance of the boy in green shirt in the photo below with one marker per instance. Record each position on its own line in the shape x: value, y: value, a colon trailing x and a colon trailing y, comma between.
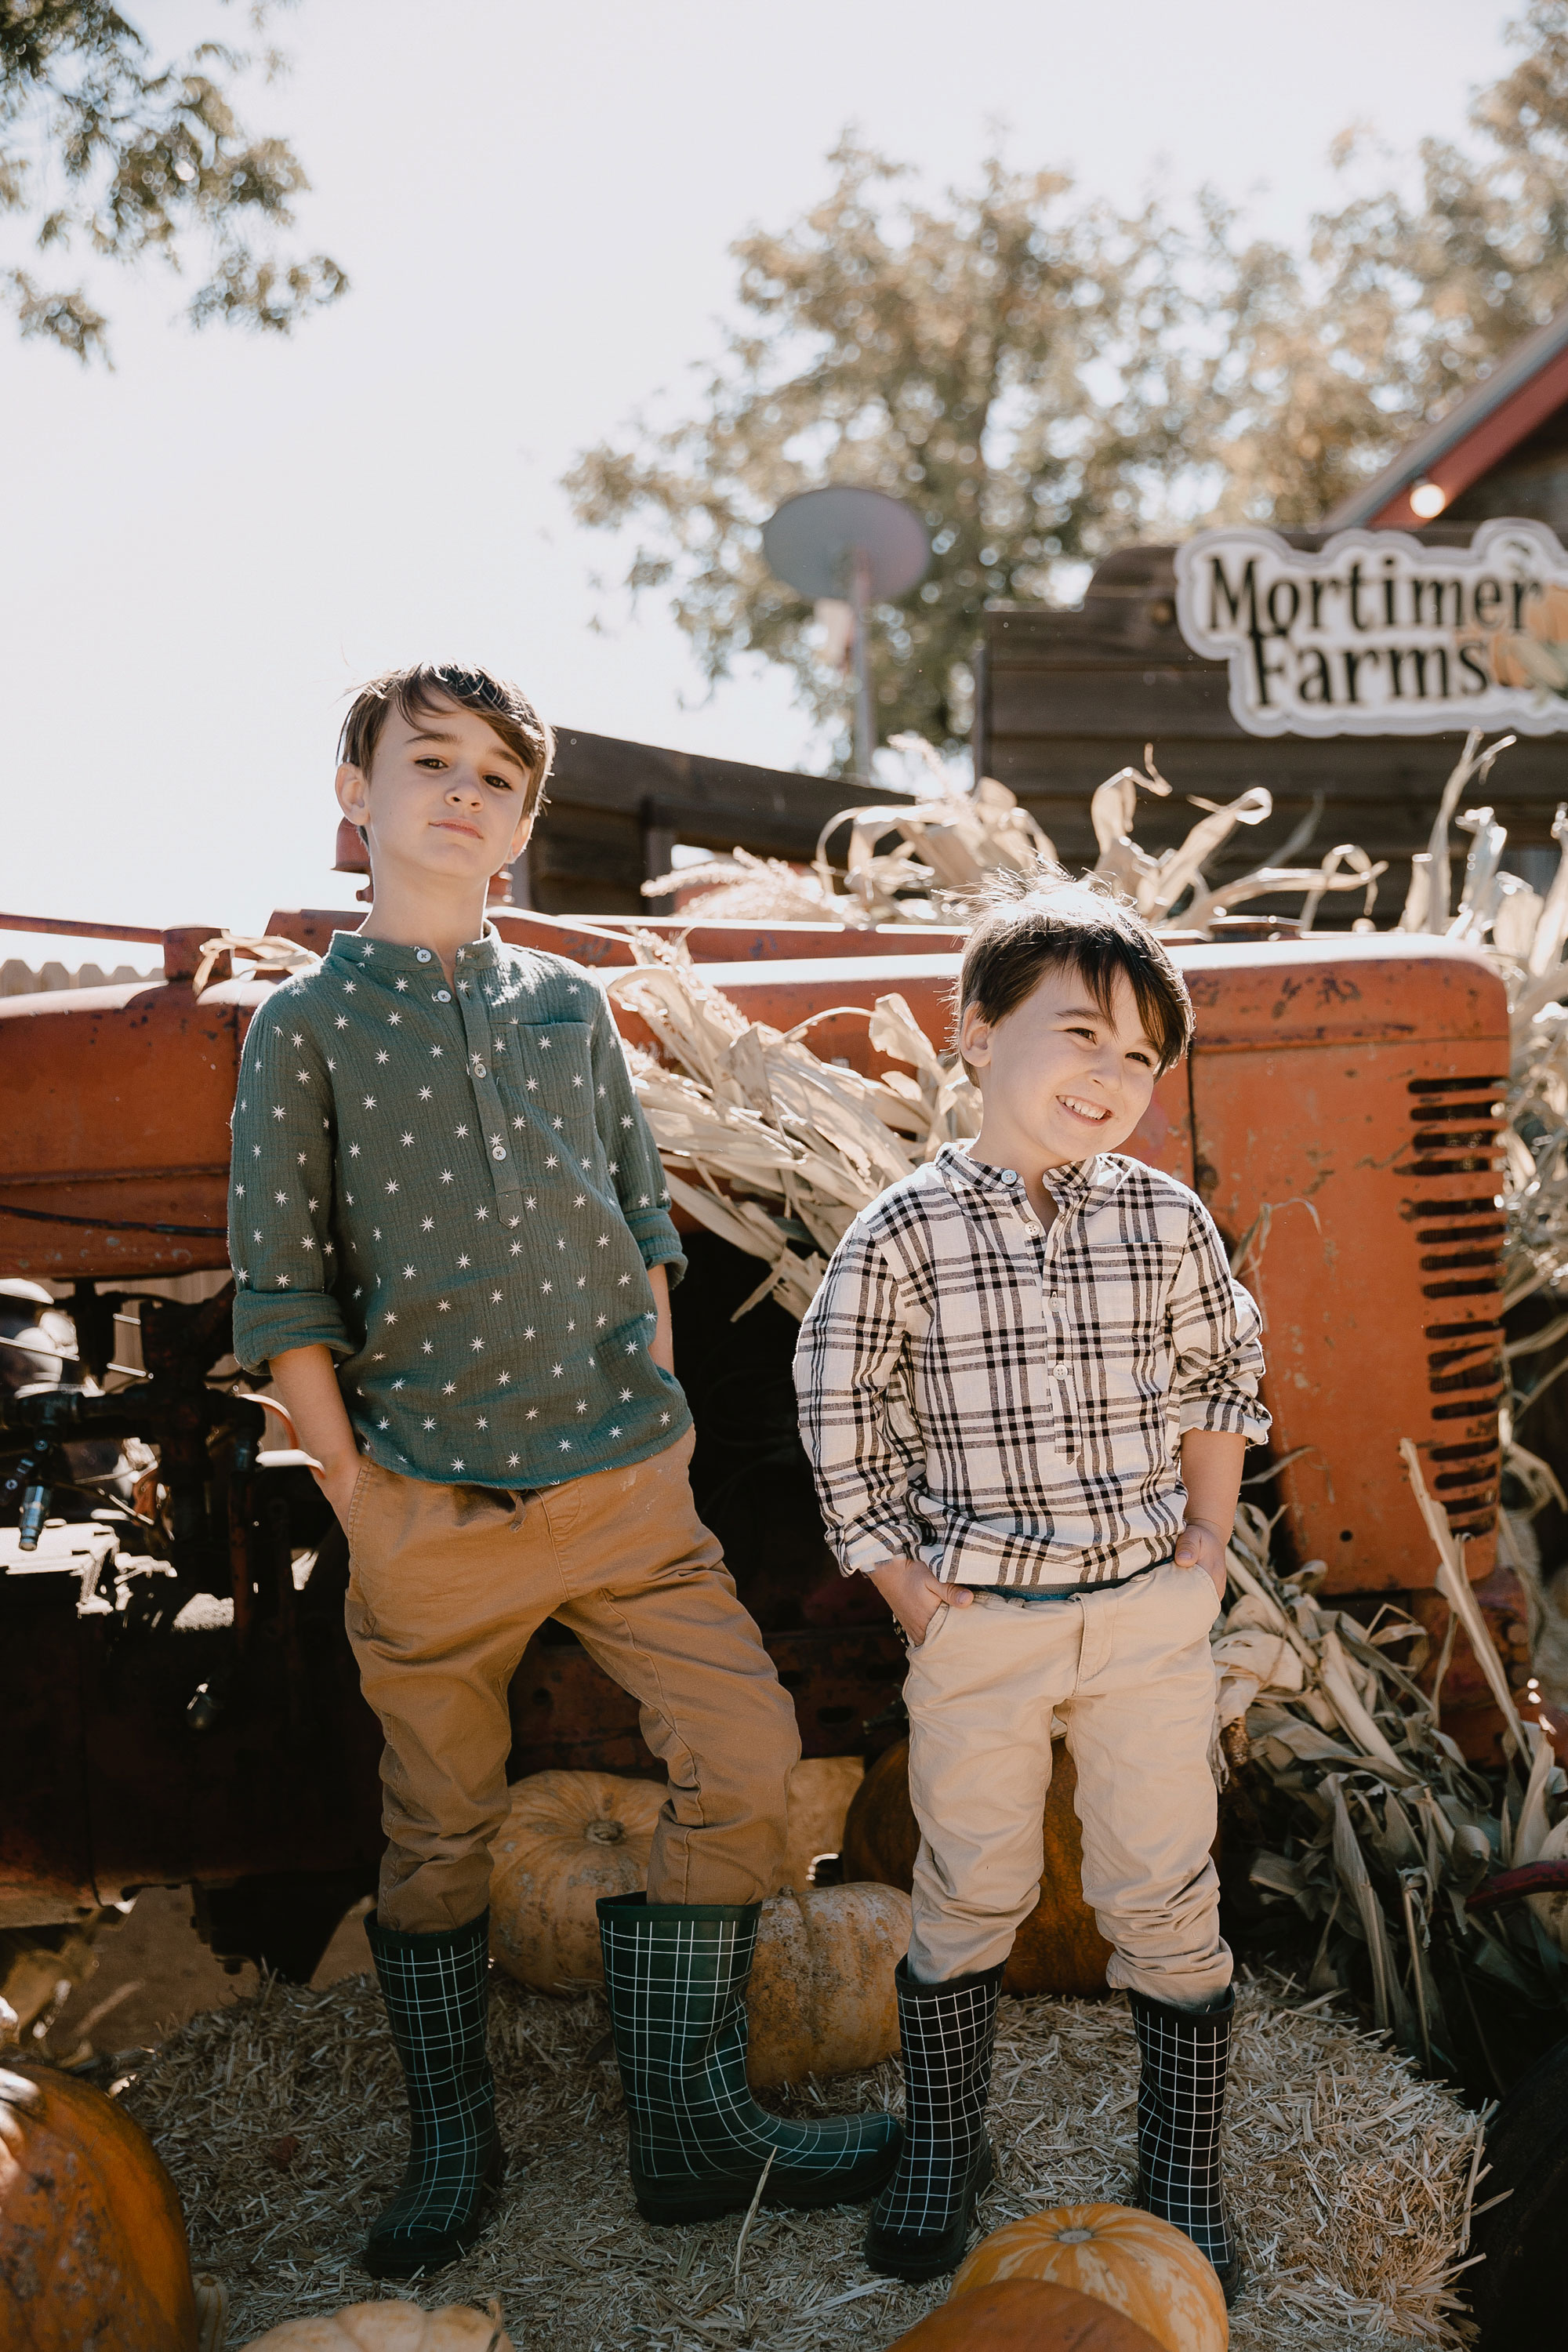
x: 452, y: 1249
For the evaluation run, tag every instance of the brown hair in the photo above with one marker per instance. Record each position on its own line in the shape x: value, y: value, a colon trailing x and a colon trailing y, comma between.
x: 1040, y: 921
x: 420, y: 690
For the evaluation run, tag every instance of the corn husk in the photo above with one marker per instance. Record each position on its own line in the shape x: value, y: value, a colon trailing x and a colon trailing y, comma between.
x: 1387, y: 1829
x: 949, y: 847
x: 769, y: 1147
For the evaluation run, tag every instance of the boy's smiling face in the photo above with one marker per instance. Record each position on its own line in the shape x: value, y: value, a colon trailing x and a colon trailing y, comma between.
x: 445, y: 797
x: 1060, y: 1079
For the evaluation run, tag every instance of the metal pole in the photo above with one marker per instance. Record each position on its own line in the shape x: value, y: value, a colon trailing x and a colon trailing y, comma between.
x: 859, y: 597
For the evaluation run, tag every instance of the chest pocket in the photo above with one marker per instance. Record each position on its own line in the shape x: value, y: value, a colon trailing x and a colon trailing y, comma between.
x: 555, y: 1055
x: 1126, y: 1358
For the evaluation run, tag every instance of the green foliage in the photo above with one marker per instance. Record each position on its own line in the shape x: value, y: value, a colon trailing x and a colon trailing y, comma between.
x: 1002, y: 365
x: 135, y: 158
x: 1046, y: 380
x: 1333, y: 360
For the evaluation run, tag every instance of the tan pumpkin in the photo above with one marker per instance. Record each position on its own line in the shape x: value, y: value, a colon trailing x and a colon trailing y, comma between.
x: 818, y: 1796
x: 1026, y: 2316
x: 92, y: 2242
x: 821, y: 1999
x: 1059, y: 1949
x: 392, y: 2325
x: 1144, y: 2268
x: 569, y: 1838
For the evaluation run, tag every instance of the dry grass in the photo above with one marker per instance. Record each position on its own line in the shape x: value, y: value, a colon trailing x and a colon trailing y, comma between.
x: 1351, y: 2178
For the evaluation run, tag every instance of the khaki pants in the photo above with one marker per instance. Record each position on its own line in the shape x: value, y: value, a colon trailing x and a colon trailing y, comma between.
x: 447, y: 1586
x: 1128, y: 1669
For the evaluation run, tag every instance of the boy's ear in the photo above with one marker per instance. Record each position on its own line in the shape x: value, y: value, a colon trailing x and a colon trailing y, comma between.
x: 352, y: 789
x: 975, y: 1037
x: 519, y: 839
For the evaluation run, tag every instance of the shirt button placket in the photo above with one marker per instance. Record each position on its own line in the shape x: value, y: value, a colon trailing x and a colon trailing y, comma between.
x: 486, y: 1098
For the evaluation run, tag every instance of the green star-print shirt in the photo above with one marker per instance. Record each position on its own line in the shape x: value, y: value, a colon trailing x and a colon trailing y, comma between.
x: 454, y: 1188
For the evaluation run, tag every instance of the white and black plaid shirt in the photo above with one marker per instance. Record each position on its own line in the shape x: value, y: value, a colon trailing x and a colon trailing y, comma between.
x: 1006, y: 1402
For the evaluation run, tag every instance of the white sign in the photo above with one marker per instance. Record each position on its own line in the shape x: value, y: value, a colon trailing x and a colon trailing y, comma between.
x: 1377, y: 635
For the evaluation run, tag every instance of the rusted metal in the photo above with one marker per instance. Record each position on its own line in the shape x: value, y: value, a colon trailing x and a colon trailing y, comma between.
x: 58, y: 926
x: 606, y: 938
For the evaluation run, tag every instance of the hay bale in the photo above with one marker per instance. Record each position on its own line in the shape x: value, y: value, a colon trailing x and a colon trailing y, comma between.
x: 1350, y: 2177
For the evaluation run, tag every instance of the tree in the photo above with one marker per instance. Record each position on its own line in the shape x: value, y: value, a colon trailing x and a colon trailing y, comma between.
x: 142, y: 158
x: 1333, y: 359
x: 1004, y: 364
x: 1046, y: 381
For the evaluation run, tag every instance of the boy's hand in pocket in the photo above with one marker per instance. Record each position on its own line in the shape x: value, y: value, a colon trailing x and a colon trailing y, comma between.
x: 1201, y: 1545
x: 914, y: 1595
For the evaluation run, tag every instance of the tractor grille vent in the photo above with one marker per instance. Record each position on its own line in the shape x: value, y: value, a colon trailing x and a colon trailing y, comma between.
x: 1456, y: 1209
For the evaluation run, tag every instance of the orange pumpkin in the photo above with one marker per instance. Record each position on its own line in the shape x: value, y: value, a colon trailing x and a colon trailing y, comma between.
x: 392, y: 2326
x: 92, y: 2244
x: 821, y: 1998
x: 569, y: 1838
x: 1059, y: 1949
x: 819, y: 1795
x: 1143, y: 2267
x: 1026, y: 2316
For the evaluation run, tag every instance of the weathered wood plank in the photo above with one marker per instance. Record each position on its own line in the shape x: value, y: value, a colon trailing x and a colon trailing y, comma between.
x: 605, y: 772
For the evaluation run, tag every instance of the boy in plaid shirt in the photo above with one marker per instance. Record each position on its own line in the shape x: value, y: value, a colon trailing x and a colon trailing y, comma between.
x: 1026, y: 1385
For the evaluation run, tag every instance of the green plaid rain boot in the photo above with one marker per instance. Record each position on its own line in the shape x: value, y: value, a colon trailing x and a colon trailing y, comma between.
x: 676, y: 1974
x: 919, y: 2224
x: 1181, y: 2102
x: 437, y: 1990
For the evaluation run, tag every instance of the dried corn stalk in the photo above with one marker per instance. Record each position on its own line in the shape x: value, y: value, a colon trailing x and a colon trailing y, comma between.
x: 1380, y: 1830
x: 950, y: 844
x: 769, y: 1147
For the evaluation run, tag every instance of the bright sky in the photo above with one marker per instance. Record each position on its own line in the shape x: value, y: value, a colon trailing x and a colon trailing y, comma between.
x: 206, y: 547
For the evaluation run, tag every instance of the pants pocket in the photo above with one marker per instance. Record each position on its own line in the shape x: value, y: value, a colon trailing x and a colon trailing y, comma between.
x: 355, y: 1501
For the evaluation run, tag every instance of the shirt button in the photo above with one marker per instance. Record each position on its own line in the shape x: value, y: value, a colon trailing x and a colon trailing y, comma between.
x: 479, y: 1069
x: 421, y: 955
x: 497, y: 1151
x: 1009, y: 1175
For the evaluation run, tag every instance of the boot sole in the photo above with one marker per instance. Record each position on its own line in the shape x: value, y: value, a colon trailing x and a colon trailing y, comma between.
x: 395, y: 2261
x: 668, y: 2205
x: 917, y: 2260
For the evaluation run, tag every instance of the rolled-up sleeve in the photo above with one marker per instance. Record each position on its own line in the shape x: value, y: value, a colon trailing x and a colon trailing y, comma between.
x: 635, y: 1168
x: 1215, y: 1329
x: 851, y: 1375
x: 280, y: 1241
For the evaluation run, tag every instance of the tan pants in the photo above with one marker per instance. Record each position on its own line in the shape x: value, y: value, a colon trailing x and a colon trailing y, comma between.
x: 1128, y: 1669
x: 447, y: 1586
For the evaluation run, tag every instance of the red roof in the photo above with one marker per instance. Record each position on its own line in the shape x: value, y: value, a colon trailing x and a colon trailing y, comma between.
x: 1475, y: 436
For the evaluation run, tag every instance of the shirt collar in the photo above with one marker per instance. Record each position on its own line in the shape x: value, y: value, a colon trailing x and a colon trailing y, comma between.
x: 388, y: 959
x: 1070, y: 1186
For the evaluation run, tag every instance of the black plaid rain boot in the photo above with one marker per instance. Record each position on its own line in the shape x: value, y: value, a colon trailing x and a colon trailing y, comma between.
x: 1181, y: 2098
x: 921, y: 2223
x: 676, y: 1975
x: 437, y: 1990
